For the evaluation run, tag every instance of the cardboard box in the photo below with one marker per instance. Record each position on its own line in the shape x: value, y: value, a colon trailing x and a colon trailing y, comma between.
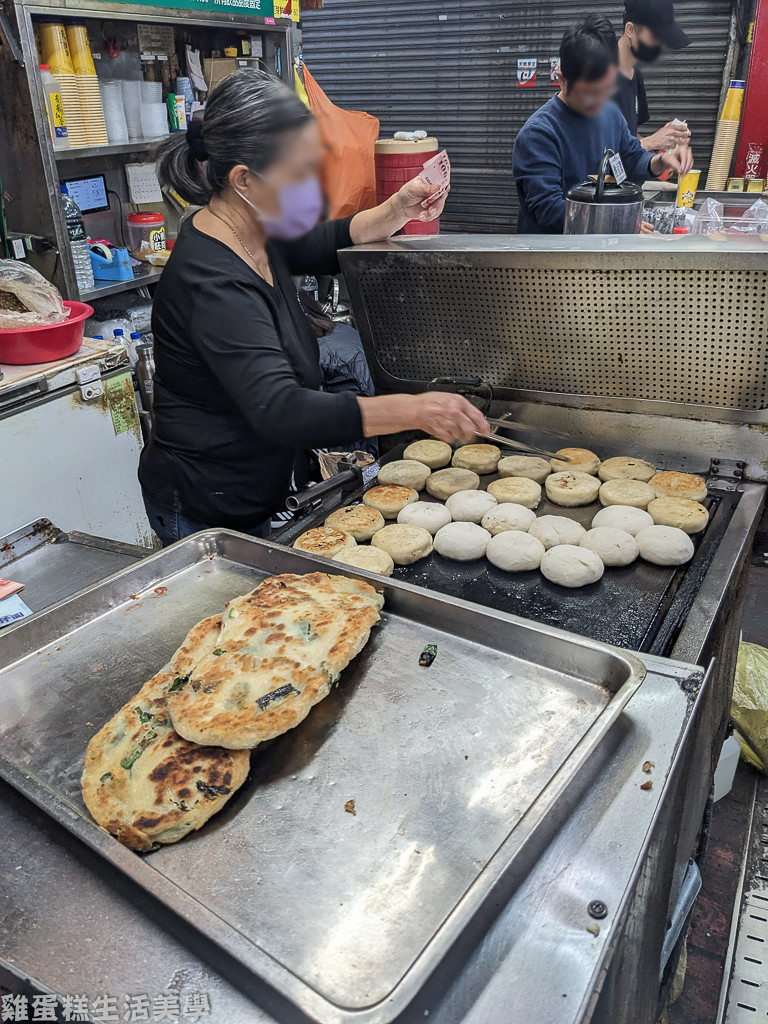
x: 216, y: 69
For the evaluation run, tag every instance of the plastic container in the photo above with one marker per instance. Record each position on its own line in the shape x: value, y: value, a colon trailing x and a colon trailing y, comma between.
x: 146, y: 232
x: 54, y: 104
x: 46, y: 344
x: 78, y: 241
x: 726, y: 767
x: 397, y: 162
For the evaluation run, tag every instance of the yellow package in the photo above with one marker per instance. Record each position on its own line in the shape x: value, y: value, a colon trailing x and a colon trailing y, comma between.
x: 749, y: 706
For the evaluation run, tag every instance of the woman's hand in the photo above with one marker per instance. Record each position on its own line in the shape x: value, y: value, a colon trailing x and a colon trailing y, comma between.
x: 447, y: 417
x: 412, y: 195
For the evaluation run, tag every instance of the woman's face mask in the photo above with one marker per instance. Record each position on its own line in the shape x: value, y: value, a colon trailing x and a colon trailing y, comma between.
x: 300, y: 209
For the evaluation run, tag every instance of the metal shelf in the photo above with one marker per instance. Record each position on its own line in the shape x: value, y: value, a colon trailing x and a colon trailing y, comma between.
x: 114, y: 287
x: 63, y: 155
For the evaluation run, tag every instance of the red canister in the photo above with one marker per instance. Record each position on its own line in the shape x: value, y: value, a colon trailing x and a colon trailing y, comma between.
x: 398, y: 162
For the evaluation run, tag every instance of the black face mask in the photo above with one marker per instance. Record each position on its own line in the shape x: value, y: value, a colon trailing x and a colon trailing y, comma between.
x: 644, y: 53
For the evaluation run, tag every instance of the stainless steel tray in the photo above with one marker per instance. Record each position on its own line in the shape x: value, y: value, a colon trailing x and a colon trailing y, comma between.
x: 459, y: 772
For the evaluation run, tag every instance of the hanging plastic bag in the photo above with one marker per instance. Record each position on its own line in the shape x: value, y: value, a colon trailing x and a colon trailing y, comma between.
x: 27, y: 299
x: 347, y: 174
x: 749, y: 705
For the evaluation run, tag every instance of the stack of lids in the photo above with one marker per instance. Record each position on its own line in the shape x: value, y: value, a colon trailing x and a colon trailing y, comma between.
x: 725, y: 139
x: 91, y: 109
x: 55, y: 52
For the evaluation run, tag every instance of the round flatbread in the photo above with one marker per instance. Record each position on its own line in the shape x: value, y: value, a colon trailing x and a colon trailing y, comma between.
x: 369, y: 558
x: 688, y: 516
x: 463, y: 542
x: 664, y: 545
x: 446, y: 482
x: 389, y: 499
x: 404, y: 544
x: 469, y: 506
x: 572, y: 489
x: 555, y: 530
x: 508, y: 516
x: 143, y: 783
x: 581, y: 460
x: 406, y: 473
x: 358, y: 520
x: 426, y: 514
x: 515, y: 551
x: 324, y: 540
x: 623, y: 517
x: 615, y: 547
x: 516, y: 490
x: 525, y: 465
x: 571, y: 566
x: 679, y: 485
x: 623, y: 468
x: 480, y: 458
x: 434, y: 454
x: 626, y: 492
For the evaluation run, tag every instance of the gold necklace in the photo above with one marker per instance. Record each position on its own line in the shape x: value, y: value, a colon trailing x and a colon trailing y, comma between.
x: 266, y: 273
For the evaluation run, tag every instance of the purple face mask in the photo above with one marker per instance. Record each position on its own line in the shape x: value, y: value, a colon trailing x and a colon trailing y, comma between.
x: 300, y: 209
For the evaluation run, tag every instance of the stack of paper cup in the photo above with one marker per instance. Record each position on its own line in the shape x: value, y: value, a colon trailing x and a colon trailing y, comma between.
x: 87, y: 85
x: 55, y: 51
x: 725, y: 139
x: 151, y: 92
x: 114, y: 114
x: 154, y: 120
x: 132, y: 107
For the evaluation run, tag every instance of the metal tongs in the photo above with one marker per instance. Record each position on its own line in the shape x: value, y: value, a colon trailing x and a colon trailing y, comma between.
x: 520, y: 446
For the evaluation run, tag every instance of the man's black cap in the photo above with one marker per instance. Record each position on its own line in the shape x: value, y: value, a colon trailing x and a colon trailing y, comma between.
x: 659, y: 17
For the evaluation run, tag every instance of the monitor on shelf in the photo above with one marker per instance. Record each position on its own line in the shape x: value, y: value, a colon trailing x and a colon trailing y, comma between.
x: 90, y: 193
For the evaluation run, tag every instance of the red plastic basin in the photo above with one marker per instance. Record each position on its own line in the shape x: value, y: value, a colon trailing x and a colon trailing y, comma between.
x: 46, y: 344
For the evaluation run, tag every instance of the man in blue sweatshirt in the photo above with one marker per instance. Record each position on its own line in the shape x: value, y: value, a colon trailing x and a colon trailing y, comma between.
x: 564, y: 141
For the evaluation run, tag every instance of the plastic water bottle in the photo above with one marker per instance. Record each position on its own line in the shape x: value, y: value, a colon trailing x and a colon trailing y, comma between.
x: 78, y: 242
x: 308, y: 283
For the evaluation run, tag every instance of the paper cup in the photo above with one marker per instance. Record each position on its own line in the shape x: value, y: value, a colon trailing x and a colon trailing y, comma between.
x: 53, y: 41
x: 733, y: 102
x: 80, y: 50
x: 686, y: 189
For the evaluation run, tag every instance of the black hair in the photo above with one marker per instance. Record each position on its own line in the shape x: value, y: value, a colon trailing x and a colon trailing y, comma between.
x: 246, y: 120
x: 588, y: 50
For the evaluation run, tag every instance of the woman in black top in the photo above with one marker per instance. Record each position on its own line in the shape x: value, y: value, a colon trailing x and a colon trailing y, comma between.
x: 237, y: 364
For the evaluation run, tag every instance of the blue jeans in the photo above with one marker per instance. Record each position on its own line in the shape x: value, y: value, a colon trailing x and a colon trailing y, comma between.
x: 171, y: 525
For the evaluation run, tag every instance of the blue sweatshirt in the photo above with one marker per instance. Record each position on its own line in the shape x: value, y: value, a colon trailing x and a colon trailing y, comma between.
x: 556, y: 149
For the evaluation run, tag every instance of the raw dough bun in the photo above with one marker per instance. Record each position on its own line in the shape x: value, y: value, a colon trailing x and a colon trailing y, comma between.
x: 518, y: 490
x: 480, y: 458
x: 324, y: 540
x: 426, y: 514
x: 446, y: 482
x: 623, y: 517
x: 688, y: 516
x: 470, y: 506
x: 507, y: 516
x: 623, y: 468
x: 525, y: 465
x: 615, y: 547
x: 462, y: 541
x: 406, y: 472
x: 679, y: 485
x: 389, y: 499
x: 434, y: 454
x: 404, y: 543
x: 515, y: 551
x: 572, y: 488
x: 582, y: 461
x: 571, y: 566
x: 626, y: 492
x: 664, y: 545
x: 359, y: 520
x: 554, y: 530
x: 368, y: 558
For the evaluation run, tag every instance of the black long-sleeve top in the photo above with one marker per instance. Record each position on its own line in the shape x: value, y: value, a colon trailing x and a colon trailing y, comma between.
x: 237, y: 378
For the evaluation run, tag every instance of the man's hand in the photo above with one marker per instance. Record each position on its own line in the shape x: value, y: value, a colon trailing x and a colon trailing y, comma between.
x: 669, y: 137
x: 680, y: 160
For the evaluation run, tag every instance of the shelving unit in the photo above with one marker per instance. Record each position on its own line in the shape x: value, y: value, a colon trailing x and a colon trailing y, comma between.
x: 152, y: 276
x: 86, y: 152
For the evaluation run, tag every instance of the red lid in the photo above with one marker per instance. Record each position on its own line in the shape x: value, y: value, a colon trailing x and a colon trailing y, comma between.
x: 45, y: 67
x: 679, y: 231
x: 145, y: 218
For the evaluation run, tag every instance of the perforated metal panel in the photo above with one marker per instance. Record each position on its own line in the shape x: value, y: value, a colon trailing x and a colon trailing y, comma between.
x: 698, y: 337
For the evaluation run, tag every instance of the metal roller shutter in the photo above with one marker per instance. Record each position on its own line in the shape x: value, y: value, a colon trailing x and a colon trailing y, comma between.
x: 449, y: 66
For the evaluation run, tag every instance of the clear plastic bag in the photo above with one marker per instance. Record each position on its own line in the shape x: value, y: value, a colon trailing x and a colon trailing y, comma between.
x: 27, y: 299
x: 708, y: 218
x: 754, y: 219
x: 749, y: 705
